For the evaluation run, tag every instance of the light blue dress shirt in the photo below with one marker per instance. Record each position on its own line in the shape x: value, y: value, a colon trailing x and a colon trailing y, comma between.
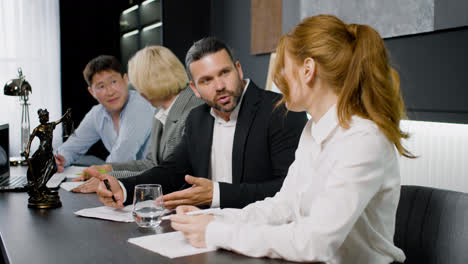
x: 132, y: 141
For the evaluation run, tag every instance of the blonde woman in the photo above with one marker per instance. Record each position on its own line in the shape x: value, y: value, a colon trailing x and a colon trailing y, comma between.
x: 160, y: 78
x: 339, y: 199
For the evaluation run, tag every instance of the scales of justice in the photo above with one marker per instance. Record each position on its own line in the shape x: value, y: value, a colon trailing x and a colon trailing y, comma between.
x: 41, y: 165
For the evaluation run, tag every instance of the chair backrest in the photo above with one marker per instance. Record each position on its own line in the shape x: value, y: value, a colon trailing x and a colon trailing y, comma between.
x: 432, y: 225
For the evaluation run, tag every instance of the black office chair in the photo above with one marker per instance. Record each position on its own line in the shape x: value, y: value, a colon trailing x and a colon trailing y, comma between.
x: 432, y: 225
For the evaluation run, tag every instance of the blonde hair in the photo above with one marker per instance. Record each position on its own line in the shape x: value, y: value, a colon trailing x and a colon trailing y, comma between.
x: 354, y: 61
x: 157, y: 73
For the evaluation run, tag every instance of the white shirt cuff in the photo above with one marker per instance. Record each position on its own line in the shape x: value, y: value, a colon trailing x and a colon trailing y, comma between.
x: 215, y: 201
x: 124, y: 192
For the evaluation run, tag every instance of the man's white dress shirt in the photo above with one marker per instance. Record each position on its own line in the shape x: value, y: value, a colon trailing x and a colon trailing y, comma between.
x: 221, y: 149
x: 337, y: 204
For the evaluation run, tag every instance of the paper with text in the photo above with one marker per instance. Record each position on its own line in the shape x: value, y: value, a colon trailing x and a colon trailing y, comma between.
x: 171, y: 245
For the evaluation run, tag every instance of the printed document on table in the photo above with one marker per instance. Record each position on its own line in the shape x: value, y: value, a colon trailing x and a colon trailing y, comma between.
x: 171, y: 245
x: 108, y: 213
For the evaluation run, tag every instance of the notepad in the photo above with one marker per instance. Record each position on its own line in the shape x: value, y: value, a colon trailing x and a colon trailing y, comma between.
x: 171, y: 245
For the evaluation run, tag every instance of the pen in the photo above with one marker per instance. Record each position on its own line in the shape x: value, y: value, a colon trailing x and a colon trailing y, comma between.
x: 101, y: 171
x: 198, y: 212
x: 106, y: 182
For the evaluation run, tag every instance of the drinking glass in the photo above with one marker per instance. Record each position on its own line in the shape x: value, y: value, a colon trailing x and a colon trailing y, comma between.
x: 148, y: 205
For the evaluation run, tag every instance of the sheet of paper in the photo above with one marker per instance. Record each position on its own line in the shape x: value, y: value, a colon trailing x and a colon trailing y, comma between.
x: 108, y: 213
x: 70, y: 185
x: 171, y: 245
x: 72, y: 171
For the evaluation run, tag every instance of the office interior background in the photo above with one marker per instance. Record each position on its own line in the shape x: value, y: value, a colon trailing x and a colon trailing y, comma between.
x: 52, y: 40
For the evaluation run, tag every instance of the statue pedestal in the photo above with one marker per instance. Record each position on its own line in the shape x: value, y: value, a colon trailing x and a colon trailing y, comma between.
x: 47, y: 201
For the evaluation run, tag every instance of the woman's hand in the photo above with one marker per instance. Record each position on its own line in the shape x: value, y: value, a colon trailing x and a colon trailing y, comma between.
x: 192, y: 226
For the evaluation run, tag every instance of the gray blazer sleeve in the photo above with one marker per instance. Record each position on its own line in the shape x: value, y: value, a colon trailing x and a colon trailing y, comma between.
x: 122, y: 174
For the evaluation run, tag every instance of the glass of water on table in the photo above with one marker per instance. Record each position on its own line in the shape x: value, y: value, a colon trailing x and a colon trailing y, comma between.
x: 148, y: 205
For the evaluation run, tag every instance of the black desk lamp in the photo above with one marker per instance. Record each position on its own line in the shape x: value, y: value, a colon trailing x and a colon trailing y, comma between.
x: 20, y: 87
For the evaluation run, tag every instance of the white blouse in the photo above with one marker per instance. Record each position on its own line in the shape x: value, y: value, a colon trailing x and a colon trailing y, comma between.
x: 337, y: 204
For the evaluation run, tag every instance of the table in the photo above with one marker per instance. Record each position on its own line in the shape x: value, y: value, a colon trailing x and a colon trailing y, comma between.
x: 59, y: 236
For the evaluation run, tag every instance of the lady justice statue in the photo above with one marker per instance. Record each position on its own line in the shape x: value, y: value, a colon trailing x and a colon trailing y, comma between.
x: 42, y: 163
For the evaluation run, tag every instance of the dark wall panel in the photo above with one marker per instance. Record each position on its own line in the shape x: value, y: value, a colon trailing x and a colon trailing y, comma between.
x: 231, y: 23
x: 450, y: 13
x: 291, y: 14
x: 91, y: 28
x: 87, y: 29
x: 432, y: 69
x: 184, y: 22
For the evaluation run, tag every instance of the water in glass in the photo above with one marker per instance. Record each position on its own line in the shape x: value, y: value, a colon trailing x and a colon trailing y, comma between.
x: 148, y: 205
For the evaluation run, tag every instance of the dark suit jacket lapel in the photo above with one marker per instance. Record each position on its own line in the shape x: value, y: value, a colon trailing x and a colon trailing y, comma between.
x: 204, y: 129
x: 249, y: 107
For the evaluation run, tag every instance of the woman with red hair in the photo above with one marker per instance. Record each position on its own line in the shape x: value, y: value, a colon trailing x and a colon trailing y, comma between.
x: 338, y: 202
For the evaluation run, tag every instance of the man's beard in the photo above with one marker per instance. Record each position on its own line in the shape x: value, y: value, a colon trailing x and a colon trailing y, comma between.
x: 235, y: 98
x: 235, y: 95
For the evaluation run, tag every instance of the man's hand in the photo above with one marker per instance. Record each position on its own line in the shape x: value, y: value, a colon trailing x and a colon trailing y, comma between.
x: 101, y: 168
x: 60, y: 161
x: 105, y: 195
x: 193, y: 227
x: 90, y: 186
x: 201, y: 193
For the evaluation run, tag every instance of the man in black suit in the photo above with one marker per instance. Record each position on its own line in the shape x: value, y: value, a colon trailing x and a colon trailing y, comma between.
x: 238, y: 146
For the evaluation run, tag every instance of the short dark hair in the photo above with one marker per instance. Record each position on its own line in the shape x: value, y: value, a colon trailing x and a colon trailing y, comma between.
x: 203, y: 47
x: 99, y: 64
